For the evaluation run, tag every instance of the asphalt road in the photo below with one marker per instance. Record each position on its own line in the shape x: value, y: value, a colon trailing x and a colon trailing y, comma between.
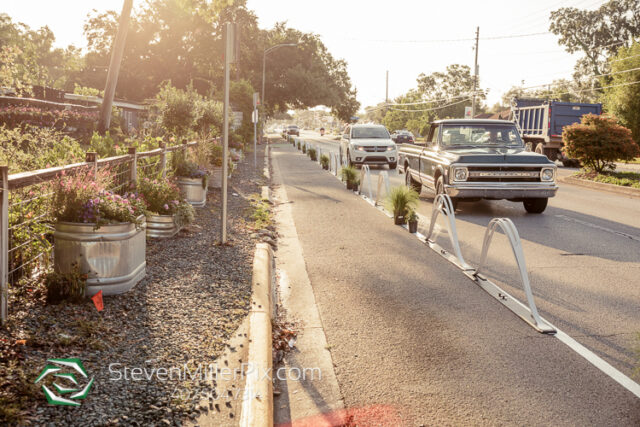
x: 583, y: 257
x: 408, y: 330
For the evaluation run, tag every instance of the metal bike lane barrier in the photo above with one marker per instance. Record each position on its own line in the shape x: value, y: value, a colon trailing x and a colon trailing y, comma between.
x: 383, y: 178
x: 528, y: 314
x: 442, y: 205
x: 365, y: 176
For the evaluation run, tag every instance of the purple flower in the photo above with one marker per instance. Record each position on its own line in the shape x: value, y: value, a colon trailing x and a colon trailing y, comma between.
x: 166, y: 207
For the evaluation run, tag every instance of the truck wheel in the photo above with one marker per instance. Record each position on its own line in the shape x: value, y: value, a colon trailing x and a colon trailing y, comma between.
x: 551, y: 153
x: 392, y: 166
x: 535, y: 206
x: 440, y: 190
x: 411, y: 183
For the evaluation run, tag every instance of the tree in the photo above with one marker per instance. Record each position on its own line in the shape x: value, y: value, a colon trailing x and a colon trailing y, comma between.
x: 598, y: 142
x: 623, y: 99
x: 27, y: 57
x: 447, y: 90
x: 597, y: 33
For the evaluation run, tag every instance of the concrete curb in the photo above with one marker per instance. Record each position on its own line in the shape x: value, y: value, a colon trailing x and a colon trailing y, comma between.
x: 257, y: 407
x: 627, y: 191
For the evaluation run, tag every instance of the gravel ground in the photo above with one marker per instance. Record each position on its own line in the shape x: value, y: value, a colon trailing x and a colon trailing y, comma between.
x: 195, y: 295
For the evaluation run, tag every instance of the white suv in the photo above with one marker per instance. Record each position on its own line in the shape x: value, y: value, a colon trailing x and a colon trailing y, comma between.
x: 369, y: 144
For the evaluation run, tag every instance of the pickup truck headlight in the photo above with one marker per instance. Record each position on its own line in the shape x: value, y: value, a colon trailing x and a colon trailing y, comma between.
x: 460, y: 174
x: 359, y: 147
x: 391, y: 148
x: 547, y: 174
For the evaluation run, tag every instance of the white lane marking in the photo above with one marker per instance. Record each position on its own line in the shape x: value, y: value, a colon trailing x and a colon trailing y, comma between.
x: 599, y: 363
x: 599, y: 227
x: 587, y: 354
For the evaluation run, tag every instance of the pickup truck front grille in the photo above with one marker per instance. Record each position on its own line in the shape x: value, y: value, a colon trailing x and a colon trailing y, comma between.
x: 504, y: 174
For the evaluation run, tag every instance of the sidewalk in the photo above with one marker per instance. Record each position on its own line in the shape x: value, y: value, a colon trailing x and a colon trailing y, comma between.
x: 413, y: 341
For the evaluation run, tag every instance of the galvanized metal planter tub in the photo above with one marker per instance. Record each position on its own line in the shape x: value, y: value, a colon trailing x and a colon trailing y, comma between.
x: 161, y: 226
x: 113, y: 256
x: 192, y: 190
x: 215, y: 180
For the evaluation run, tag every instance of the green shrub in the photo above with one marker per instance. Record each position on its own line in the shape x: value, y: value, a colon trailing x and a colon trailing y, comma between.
x: 401, y: 200
x: 598, y: 142
x: 298, y: 145
x: 177, y: 109
x: 34, y: 148
x: 324, y: 161
x: 69, y: 287
x: 216, y: 155
x: 313, y: 154
x: 304, y: 148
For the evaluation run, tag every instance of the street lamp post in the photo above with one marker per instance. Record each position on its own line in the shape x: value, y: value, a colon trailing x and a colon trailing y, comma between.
x: 264, y: 63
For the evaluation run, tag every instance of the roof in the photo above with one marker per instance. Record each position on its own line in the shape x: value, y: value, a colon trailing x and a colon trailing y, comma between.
x: 98, y: 100
x: 474, y: 121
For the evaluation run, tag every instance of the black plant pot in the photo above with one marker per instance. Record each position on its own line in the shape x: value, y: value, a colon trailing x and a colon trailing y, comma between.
x: 398, y: 220
x: 355, y: 187
x: 349, y: 185
x: 413, y: 226
x: 325, y: 167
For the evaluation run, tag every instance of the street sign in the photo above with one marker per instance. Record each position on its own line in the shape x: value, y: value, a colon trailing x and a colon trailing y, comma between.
x: 256, y: 99
x: 236, y: 119
x: 254, y: 116
x: 468, y: 113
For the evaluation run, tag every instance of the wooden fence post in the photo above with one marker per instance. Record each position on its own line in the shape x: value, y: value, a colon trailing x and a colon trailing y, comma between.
x: 134, y: 165
x: 4, y: 245
x: 92, y: 157
x: 163, y: 159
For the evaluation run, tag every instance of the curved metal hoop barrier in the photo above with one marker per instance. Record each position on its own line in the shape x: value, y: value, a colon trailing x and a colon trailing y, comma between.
x: 383, y: 178
x: 334, y: 163
x: 442, y: 205
x: 530, y: 313
x: 365, y: 177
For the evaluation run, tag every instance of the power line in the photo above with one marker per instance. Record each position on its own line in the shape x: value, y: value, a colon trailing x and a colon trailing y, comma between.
x: 513, y: 36
x: 431, y: 109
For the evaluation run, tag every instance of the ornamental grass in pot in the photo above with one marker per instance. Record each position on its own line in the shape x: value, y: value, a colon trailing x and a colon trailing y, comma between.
x: 412, y: 221
x: 350, y: 175
x: 98, y: 232
x: 400, y: 201
x: 324, y: 161
x: 313, y: 154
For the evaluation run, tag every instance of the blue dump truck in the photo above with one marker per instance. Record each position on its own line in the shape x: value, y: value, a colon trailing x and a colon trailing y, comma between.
x: 540, y: 122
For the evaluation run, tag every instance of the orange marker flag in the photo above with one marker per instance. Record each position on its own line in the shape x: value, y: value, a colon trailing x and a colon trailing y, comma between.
x: 97, y: 301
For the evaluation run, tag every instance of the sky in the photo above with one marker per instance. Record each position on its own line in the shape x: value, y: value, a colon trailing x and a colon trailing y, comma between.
x: 404, y: 37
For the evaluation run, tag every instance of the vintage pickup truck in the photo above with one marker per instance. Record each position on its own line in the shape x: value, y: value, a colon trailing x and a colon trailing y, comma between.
x: 479, y: 159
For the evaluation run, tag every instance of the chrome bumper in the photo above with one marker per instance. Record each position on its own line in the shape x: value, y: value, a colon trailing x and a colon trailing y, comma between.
x: 486, y: 190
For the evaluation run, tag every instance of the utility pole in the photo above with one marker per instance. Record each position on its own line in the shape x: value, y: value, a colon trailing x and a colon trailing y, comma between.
x: 229, y: 57
x: 386, y: 94
x: 114, y: 66
x: 475, y: 76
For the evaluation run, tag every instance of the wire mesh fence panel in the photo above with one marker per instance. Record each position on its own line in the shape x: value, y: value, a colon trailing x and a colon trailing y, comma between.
x: 120, y: 175
x: 30, y: 232
x: 150, y: 167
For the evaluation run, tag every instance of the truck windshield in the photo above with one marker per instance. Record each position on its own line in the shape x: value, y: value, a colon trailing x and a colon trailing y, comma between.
x: 369, y: 132
x: 480, y: 134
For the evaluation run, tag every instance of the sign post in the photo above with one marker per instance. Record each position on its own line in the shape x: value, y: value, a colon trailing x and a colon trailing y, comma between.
x: 229, y: 57
x: 468, y: 112
x: 254, y: 119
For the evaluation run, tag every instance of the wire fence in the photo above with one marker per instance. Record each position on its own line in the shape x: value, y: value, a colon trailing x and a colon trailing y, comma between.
x: 26, y: 220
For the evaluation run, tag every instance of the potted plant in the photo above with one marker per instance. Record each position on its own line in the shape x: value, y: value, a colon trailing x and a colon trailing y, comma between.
x: 400, y: 201
x: 304, y: 149
x: 313, y: 155
x: 166, y: 211
x: 190, y: 178
x: 98, y: 232
x: 324, y: 161
x: 298, y: 145
x: 412, y: 221
x: 350, y: 175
